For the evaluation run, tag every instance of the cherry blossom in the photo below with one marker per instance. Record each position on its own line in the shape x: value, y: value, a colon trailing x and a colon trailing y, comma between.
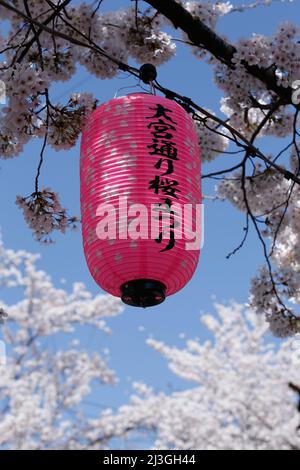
x: 41, y: 387
x: 44, y: 214
x: 240, y: 395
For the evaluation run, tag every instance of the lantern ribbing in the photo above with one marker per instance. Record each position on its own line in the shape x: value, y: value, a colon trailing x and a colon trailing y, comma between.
x: 142, y: 149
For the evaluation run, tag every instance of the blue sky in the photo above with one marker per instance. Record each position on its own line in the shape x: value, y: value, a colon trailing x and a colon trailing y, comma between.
x: 216, y: 276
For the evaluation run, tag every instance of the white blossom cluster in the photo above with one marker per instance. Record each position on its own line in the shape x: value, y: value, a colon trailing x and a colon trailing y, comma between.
x: 208, y: 13
x: 41, y: 387
x: 239, y: 398
x: 213, y: 139
x: 30, y: 113
x: 245, y: 94
x: 116, y: 34
x: 246, y: 119
x: 266, y: 192
x: 19, y: 121
x: 263, y: 299
x: 44, y: 214
x: 121, y: 35
x: 66, y: 122
x: 108, y: 33
x: 149, y: 43
x: 267, y: 195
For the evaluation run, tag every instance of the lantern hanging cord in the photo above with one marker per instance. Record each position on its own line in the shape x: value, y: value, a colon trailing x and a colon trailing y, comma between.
x: 152, y: 88
x: 186, y: 102
x: 127, y: 88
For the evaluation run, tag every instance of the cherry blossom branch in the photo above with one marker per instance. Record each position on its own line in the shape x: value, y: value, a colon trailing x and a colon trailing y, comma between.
x: 39, y: 31
x: 43, y: 147
x: 93, y: 47
x: 240, y: 246
x: 189, y: 103
x: 201, y: 34
x: 263, y: 243
x: 124, y: 67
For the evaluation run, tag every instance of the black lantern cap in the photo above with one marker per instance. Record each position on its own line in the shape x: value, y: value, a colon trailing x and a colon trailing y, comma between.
x: 143, y: 293
x: 148, y: 73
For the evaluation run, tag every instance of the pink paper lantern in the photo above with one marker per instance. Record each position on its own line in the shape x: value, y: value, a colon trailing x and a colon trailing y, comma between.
x: 139, y: 149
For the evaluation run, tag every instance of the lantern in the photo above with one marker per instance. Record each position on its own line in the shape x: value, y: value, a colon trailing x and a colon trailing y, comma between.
x: 140, y: 168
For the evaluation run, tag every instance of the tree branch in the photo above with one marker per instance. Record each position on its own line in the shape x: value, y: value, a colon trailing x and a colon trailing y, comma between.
x: 201, y: 35
x: 39, y: 31
x: 186, y: 102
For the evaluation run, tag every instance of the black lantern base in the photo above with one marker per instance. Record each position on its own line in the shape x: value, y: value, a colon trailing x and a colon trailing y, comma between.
x: 143, y: 293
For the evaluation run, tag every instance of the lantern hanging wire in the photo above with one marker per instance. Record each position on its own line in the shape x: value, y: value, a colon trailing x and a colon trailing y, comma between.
x: 148, y: 75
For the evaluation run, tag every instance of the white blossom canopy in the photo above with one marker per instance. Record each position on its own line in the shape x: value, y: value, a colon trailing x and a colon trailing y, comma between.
x: 41, y: 387
x: 242, y: 393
